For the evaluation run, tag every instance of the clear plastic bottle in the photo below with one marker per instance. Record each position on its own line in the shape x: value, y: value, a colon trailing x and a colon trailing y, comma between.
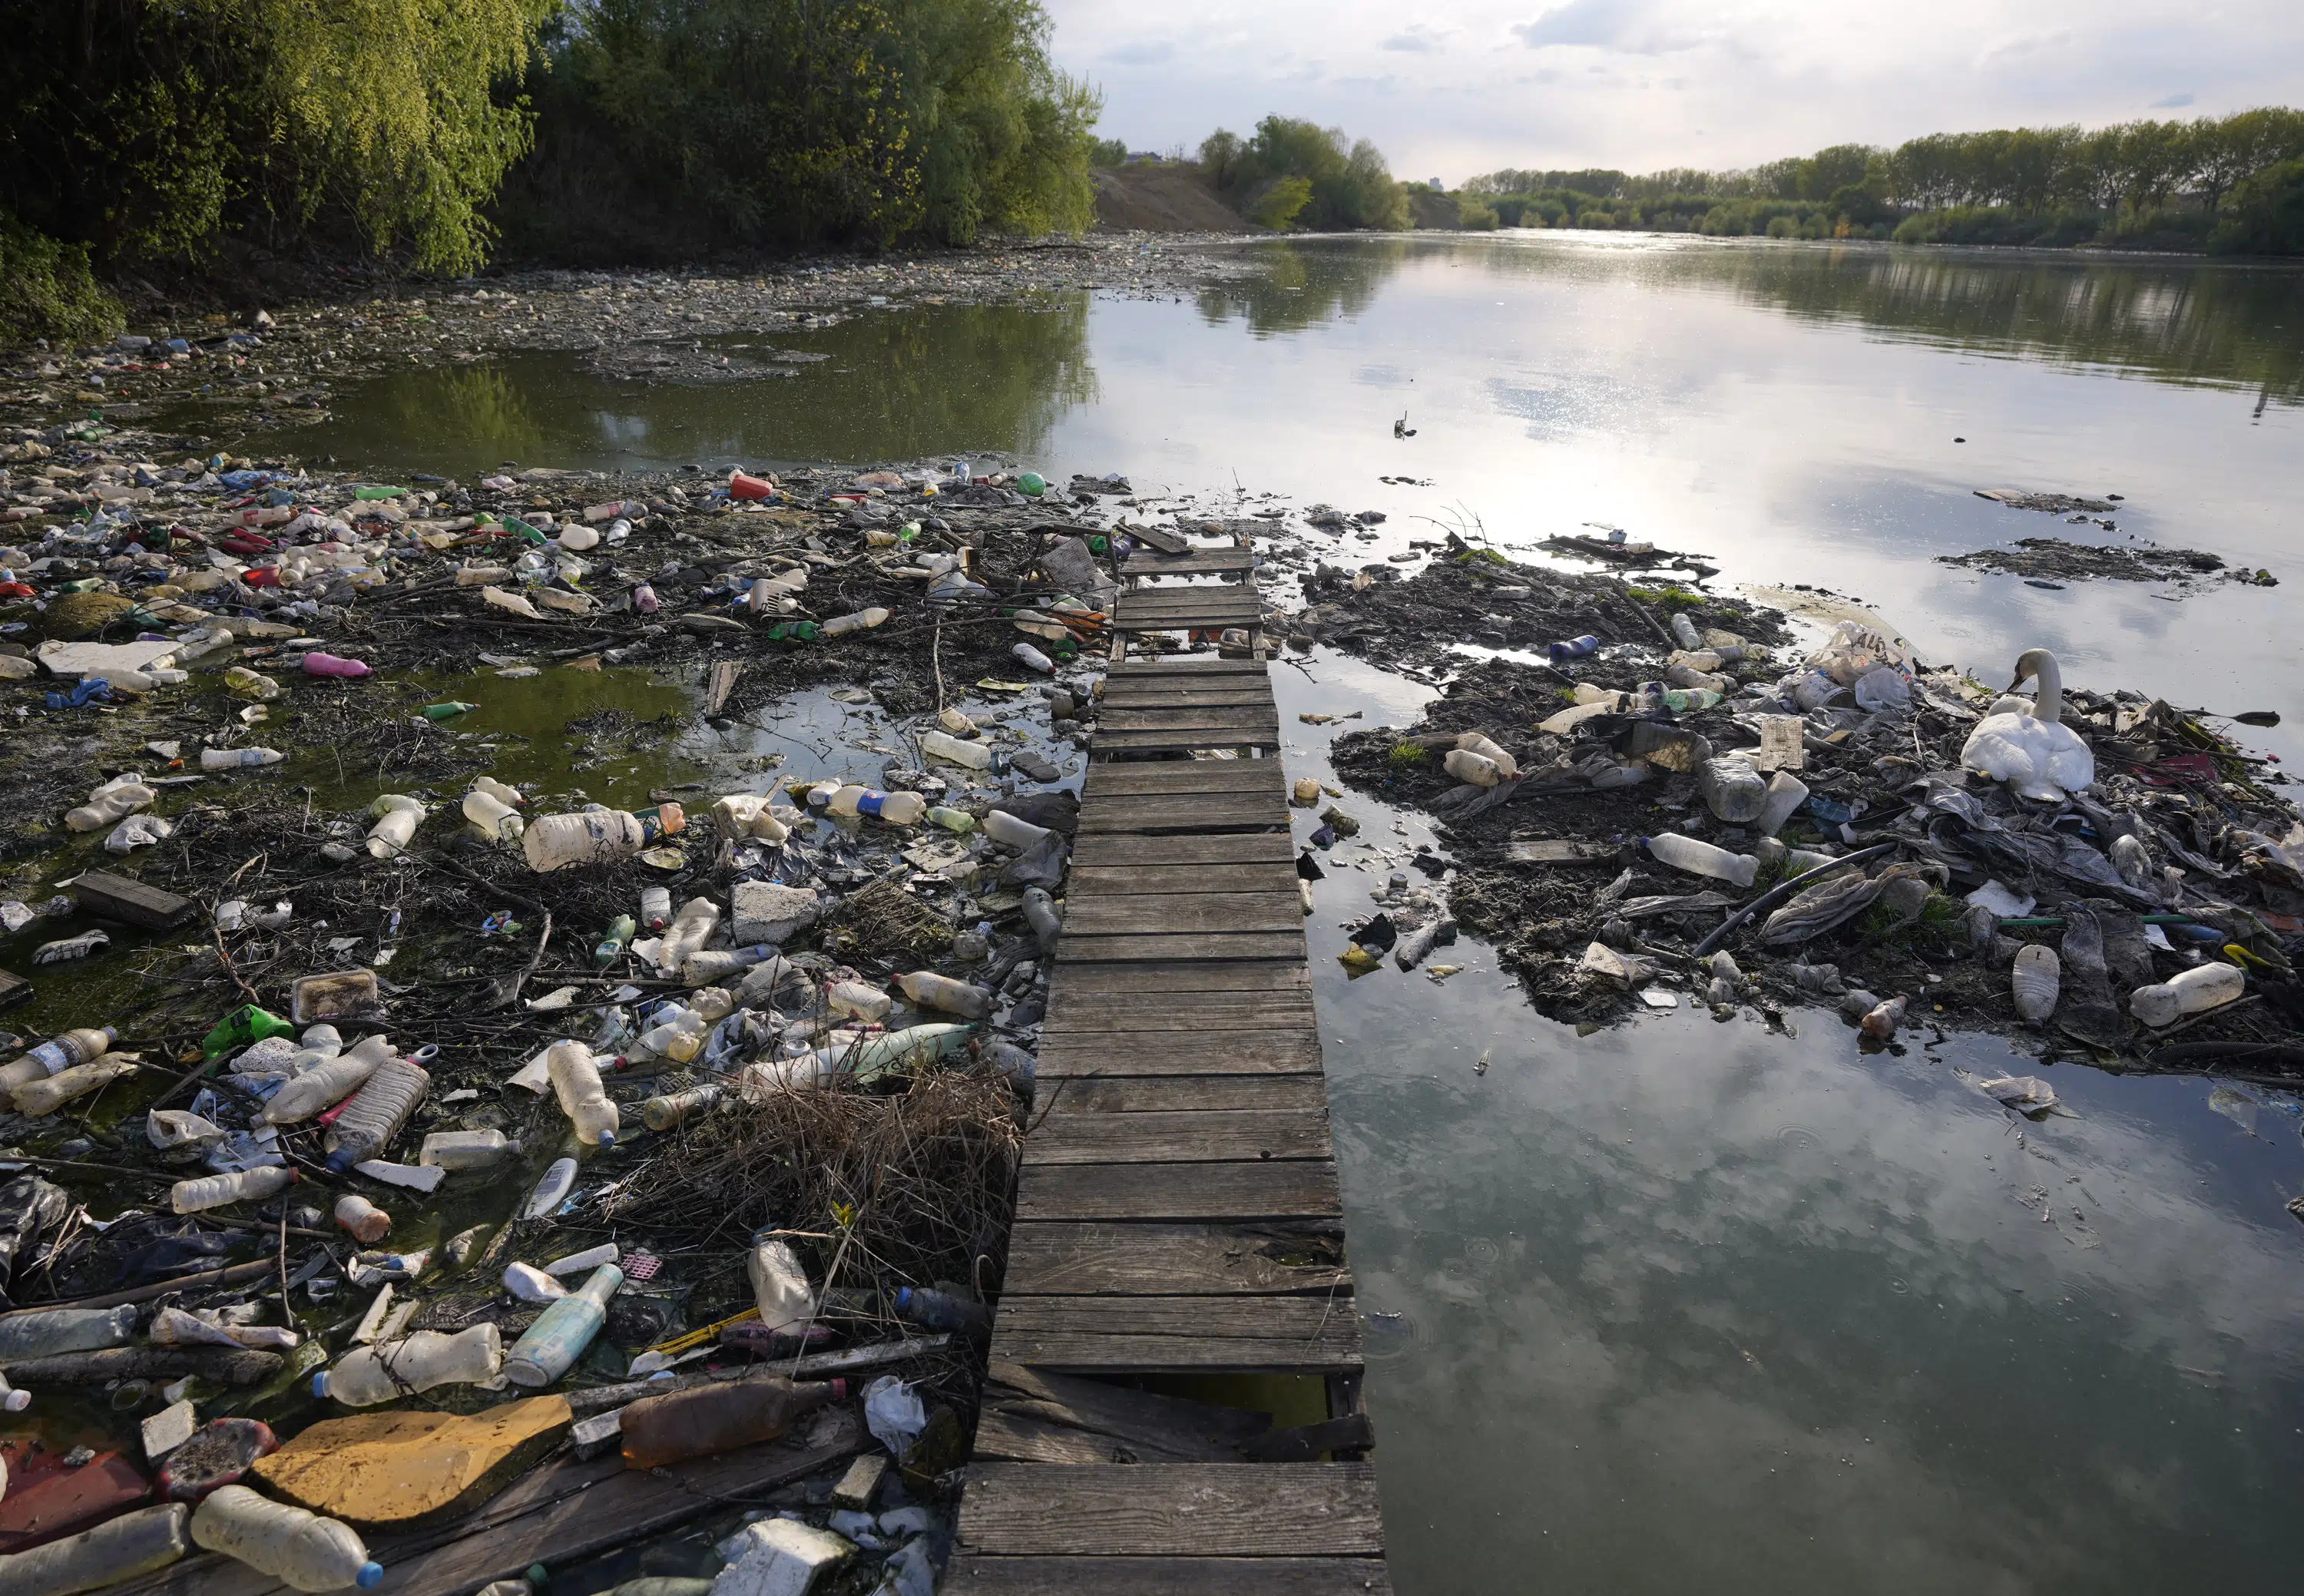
x: 112, y: 803
x: 863, y: 620
x: 205, y: 1192
x: 467, y: 1150
x: 597, y: 836
x: 931, y: 991
x: 1010, y: 832
x: 656, y: 906
x: 1685, y: 630
x: 52, y: 1331
x: 46, y: 1095
x: 376, y: 1113
x: 388, y: 1369
x: 329, y: 1083
x: 141, y: 1542
x: 550, y: 1347
x: 1032, y: 658
x: 675, y: 1108
x: 303, y: 1550
x: 2191, y: 991
x: 866, y: 1003
x: 493, y: 815
x: 397, y: 818
x: 1476, y: 743
x: 675, y: 1032
x: 1476, y: 768
x: 706, y: 1421
x: 551, y: 1189
x: 55, y: 1055
x: 238, y: 758
x: 576, y: 1082
x: 690, y: 930
x: 701, y: 969
x: 1702, y: 859
x: 943, y: 745
x: 368, y: 1223
x: 780, y: 1287
x: 1040, y: 914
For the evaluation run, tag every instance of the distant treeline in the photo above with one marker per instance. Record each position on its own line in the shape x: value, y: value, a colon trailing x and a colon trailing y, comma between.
x: 1295, y: 175
x: 2233, y: 183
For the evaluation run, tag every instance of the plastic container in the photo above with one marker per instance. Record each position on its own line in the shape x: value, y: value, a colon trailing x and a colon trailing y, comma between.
x: 740, y: 814
x: 1475, y: 743
x: 13, y: 1401
x: 702, y: 969
x: 1010, y: 832
x: 550, y: 1347
x: 530, y: 1284
x: 376, y: 1113
x: 47, y: 1096
x: 1040, y: 914
x: 597, y: 836
x: 238, y: 758
x: 780, y: 1287
x: 655, y: 902
x: 389, y: 1369
x: 676, y: 1033
x: 895, y: 809
x: 863, y: 620
x: 334, y: 664
x: 111, y: 803
x: 874, y: 1054
x: 1478, y: 769
x: 2034, y: 981
x: 2192, y: 991
x: 333, y: 996
x: 590, y: 1257
x: 690, y: 930
x: 1702, y: 859
x: 676, y: 1108
x: 466, y: 1149
x: 939, y: 1310
x: 328, y: 1084
x: 120, y: 1548
x: 866, y: 1003
x: 1032, y: 658
x: 931, y: 991
x: 1575, y: 648
x: 576, y: 1082
x: 301, y: 1550
x: 493, y: 815
x: 955, y: 750
x: 204, y: 1192
x: 245, y: 1026
x: 53, y: 1331
x: 397, y: 818
x: 705, y: 1421
x: 1786, y: 794
x: 1684, y: 631
x: 55, y: 1055
x: 551, y: 1189
x: 368, y: 1223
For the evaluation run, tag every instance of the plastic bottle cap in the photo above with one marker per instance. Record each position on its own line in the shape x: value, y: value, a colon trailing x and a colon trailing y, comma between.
x: 321, y: 1382
x: 16, y: 1402
x: 371, y: 1572
x: 607, y: 1138
x: 337, y: 1164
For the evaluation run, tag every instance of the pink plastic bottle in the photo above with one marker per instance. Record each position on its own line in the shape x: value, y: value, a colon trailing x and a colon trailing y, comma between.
x: 644, y: 599
x: 331, y: 665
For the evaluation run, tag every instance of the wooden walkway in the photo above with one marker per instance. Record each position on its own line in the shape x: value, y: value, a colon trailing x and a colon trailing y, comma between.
x: 1177, y: 1209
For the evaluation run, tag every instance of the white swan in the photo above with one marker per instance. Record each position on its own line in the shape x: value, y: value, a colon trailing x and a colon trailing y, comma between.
x: 2029, y: 747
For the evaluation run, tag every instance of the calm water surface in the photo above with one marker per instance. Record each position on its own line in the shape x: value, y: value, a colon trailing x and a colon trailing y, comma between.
x: 1688, y: 1305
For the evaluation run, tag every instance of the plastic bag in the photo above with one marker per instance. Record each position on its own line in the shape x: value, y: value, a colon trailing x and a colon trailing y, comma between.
x: 893, y: 1413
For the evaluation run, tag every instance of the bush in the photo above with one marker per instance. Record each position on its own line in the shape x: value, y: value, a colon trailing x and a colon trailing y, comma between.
x: 1107, y: 153
x: 47, y: 292
x: 1346, y: 186
x: 1473, y: 214
x: 1280, y: 203
x: 2266, y: 215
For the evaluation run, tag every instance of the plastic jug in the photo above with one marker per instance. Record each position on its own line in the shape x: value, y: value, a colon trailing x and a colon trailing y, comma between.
x: 576, y: 1082
x: 597, y: 836
x: 779, y: 1285
x: 943, y: 745
x: 397, y: 818
x: 368, y: 1375
x: 493, y: 815
x: 376, y: 1113
x: 329, y: 1083
x: 301, y: 1550
x: 55, y: 1055
x: 2191, y: 991
x: 705, y: 1421
x: 550, y: 1347
x: 931, y: 991
x: 1731, y: 789
x: 1702, y: 859
x: 466, y: 1149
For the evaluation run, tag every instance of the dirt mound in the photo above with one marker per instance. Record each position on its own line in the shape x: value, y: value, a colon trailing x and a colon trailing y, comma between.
x: 1160, y: 199
x: 1429, y: 209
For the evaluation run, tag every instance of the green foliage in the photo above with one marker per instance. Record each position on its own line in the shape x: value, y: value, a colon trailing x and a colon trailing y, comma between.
x: 1283, y: 200
x: 1472, y: 213
x: 1107, y: 153
x: 2267, y: 214
x: 1410, y: 753
x: 1345, y: 186
x: 47, y: 292
x: 140, y: 129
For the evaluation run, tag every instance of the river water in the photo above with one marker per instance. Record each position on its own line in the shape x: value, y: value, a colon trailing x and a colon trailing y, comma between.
x: 1684, y: 1305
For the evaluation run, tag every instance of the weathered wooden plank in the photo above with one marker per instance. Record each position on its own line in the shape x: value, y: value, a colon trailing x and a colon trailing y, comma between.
x: 1113, y: 1054
x: 13, y: 990
x: 1176, y: 1509
x: 1158, y: 696
x: 1228, y: 596
x: 1179, y: 1335
x: 1139, y: 778
x: 1273, y: 976
x: 1206, y: 665
x: 1166, y: 1577
x: 1213, y: 945
x: 1180, y: 1011
x: 1158, y: 812
x: 1084, y: 884
x: 117, y: 897
x: 1200, y: 562
x: 1182, y: 1094
x: 1173, y: 911
x: 1122, y: 850
x: 1228, y: 718
x: 1162, y: 1137
x: 1191, y: 739
x: 1104, y: 1260
x: 1285, y: 1189
x: 1033, y: 1416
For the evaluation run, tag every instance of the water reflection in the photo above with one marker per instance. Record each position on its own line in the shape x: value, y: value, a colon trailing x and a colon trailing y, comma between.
x: 1303, y: 285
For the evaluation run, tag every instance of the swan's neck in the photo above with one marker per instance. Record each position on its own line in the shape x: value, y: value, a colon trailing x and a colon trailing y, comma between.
x: 2049, y: 704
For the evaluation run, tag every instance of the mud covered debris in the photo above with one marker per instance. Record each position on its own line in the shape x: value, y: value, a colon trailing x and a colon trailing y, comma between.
x: 2054, y: 559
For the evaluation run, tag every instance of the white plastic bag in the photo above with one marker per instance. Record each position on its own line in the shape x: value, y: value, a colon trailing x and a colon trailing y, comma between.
x: 893, y: 1413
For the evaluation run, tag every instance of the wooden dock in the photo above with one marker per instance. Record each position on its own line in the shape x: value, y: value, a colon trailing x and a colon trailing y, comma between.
x: 1177, y: 1208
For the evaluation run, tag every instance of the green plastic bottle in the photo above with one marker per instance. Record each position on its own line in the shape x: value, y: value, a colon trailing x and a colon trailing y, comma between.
x: 377, y: 490
x: 521, y: 528
x: 793, y: 632
x: 612, y: 946
x: 1031, y: 485
x: 242, y: 1028
x: 447, y: 711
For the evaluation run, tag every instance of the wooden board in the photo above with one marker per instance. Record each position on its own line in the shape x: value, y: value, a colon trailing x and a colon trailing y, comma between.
x: 1148, y: 1260
x: 1034, y: 1416
x: 1119, y: 850
x: 13, y: 990
x: 1191, y: 664
x: 1296, y: 1334
x: 1273, y: 976
x: 1240, y: 718
x: 1281, y: 1190
x: 1179, y: 1011
x: 1112, y: 1055
x: 1233, y: 597
x: 1203, y: 562
x: 117, y: 897
x: 1185, y: 740
x: 1182, y: 1094
x: 1158, y: 812
x: 1176, y: 912
x: 1212, y: 945
x: 1157, y: 695
x: 1141, y: 777
x: 1173, y: 1137
x: 1084, y: 884
x: 1178, y: 1509
x: 970, y: 1575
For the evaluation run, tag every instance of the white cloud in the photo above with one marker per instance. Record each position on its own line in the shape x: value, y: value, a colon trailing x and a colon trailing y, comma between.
x: 1472, y: 85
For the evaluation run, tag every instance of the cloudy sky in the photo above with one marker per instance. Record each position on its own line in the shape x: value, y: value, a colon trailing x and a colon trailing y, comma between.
x: 1467, y: 86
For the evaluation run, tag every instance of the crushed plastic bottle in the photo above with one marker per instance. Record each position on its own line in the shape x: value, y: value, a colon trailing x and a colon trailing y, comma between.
x: 302, y: 1549
x: 576, y: 1081
x: 368, y: 1123
x: 369, y: 1375
x: 203, y: 1192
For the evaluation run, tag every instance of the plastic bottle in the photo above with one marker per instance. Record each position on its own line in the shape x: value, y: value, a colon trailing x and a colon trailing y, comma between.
x: 665, y: 1112
x: 576, y: 1082
x: 550, y: 1190
x: 47, y: 1096
x: 55, y: 1055
x: 589, y: 1259
x: 334, y: 664
x: 1685, y: 631
x: 509, y: 796
x: 690, y: 928
x: 1010, y: 832
x: 2191, y: 991
x: 943, y: 745
x: 740, y: 814
x: 705, y: 1421
x: 1032, y: 658
x: 448, y: 710
x: 377, y: 1111
x: 862, y: 621
x: 597, y: 836
x: 896, y: 808
x: 120, y: 1548
x: 1786, y: 792
x: 956, y: 820
x: 243, y: 1027
x: 675, y: 1032
x: 913, y: 1044
x: 329, y: 1083
x: 1731, y: 789
x: 1575, y: 648
x: 111, y: 803
x: 1040, y: 914
x: 867, y: 1003
x: 303, y: 1550
x: 1880, y: 1022
x: 466, y: 1149
x: 530, y: 1284
x: 13, y: 1401
x: 388, y: 1369
x: 2034, y: 978
x: 238, y: 758
x: 702, y: 969
x: 1466, y: 765
x: 931, y: 991
x: 939, y: 1310
x: 613, y: 945
x: 780, y: 1287
x: 1476, y: 743
x: 1702, y: 859
x: 204, y: 1192
x: 552, y: 1344
x: 397, y: 818
x: 368, y: 1223
x: 493, y: 815
x: 52, y: 1331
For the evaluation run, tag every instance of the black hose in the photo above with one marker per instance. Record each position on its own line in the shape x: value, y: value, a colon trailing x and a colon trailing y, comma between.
x: 1783, y: 890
